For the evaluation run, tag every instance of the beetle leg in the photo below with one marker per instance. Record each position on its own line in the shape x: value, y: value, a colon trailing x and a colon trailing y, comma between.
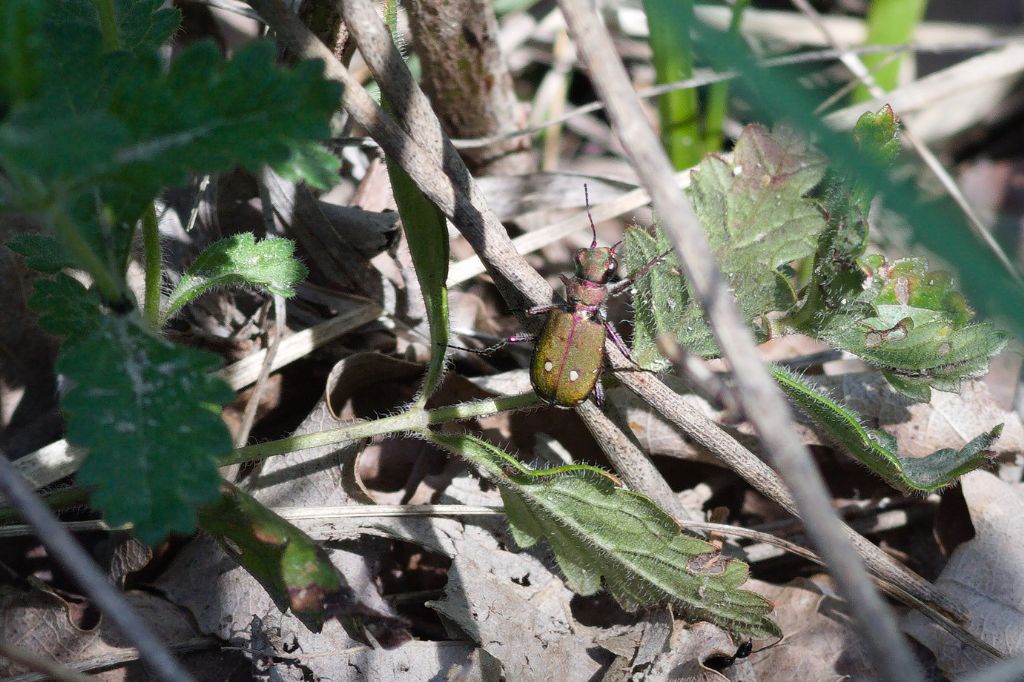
x: 599, y: 392
x: 619, y: 287
x: 618, y: 341
x: 517, y: 338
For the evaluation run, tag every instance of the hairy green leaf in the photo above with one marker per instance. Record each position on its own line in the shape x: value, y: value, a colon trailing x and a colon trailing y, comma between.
x: 239, y: 260
x: 598, y: 530
x: 294, y: 570
x: 836, y: 277
x: 876, y: 449
x: 149, y: 414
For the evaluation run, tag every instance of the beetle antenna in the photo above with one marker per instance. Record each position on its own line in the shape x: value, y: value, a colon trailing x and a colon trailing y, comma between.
x: 593, y: 228
x: 617, y: 245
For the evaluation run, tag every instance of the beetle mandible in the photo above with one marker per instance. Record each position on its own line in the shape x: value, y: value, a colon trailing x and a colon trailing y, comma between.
x: 569, y: 354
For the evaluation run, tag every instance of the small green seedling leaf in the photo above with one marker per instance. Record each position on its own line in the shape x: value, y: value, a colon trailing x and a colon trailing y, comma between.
x: 876, y: 449
x: 239, y: 261
x: 41, y: 252
x: 757, y: 216
x: 912, y: 324
x: 294, y: 570
x: 600, y: 531
x: 313, y: 164
x: 149, y: 414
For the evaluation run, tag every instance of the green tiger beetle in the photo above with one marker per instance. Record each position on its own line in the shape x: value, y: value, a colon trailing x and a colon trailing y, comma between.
x: 569, y: 354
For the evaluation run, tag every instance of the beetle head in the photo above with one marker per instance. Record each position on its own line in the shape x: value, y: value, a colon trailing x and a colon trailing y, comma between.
x: 596, y: 264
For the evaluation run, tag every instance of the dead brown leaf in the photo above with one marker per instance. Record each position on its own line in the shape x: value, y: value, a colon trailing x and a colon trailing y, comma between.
x: 985, y: 575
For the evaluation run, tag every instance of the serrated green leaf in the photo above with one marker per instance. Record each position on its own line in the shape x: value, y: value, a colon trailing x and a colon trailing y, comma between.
x: 662, y: 302
x: 757, y: 218
x: 66, y: 308
x: 294, y: 570
x: 144, y: 25
x: 246, y: 111
x: 140, y: 126
x: 601, y: 531
x: 836, y: 277
x: 29, y: 139
x: 237, y: 261
x: 313, y: 164
x: 149, y: 414
x: 876, y: 449
x: 41, y: 252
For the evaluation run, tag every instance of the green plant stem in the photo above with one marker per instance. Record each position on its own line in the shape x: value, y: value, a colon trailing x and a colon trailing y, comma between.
x: 108, y: 24
x: 413, y: 420
x: 890, y: 22
x: 669, y: 23
x: 151, y: 252
x: 85, y: 257
x: 718, y: 93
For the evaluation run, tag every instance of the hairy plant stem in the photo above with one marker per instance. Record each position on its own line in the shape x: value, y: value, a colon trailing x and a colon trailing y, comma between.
x: 412, y: 420
x: 151, y: 255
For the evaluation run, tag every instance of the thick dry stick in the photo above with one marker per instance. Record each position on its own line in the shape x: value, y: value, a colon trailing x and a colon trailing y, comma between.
x: 73, y: 558
x: 488, y: 238
x: 760, y: 398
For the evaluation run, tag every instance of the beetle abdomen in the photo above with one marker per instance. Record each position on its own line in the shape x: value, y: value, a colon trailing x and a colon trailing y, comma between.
x: 568, y: 358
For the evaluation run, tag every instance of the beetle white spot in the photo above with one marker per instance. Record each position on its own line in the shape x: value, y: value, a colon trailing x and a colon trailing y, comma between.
x: 548, y: 366
x: 574, y: 375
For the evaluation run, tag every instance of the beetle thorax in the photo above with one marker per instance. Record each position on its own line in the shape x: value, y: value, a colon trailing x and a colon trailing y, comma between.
x: 584, y: 293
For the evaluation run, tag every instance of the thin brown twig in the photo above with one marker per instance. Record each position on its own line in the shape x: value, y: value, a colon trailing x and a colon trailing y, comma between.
x: 761, y: 400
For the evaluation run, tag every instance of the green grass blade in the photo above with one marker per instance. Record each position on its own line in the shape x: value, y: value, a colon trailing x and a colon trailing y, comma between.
x: 890, y: 22
x: 669, y: 24
x: 427, y: 234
